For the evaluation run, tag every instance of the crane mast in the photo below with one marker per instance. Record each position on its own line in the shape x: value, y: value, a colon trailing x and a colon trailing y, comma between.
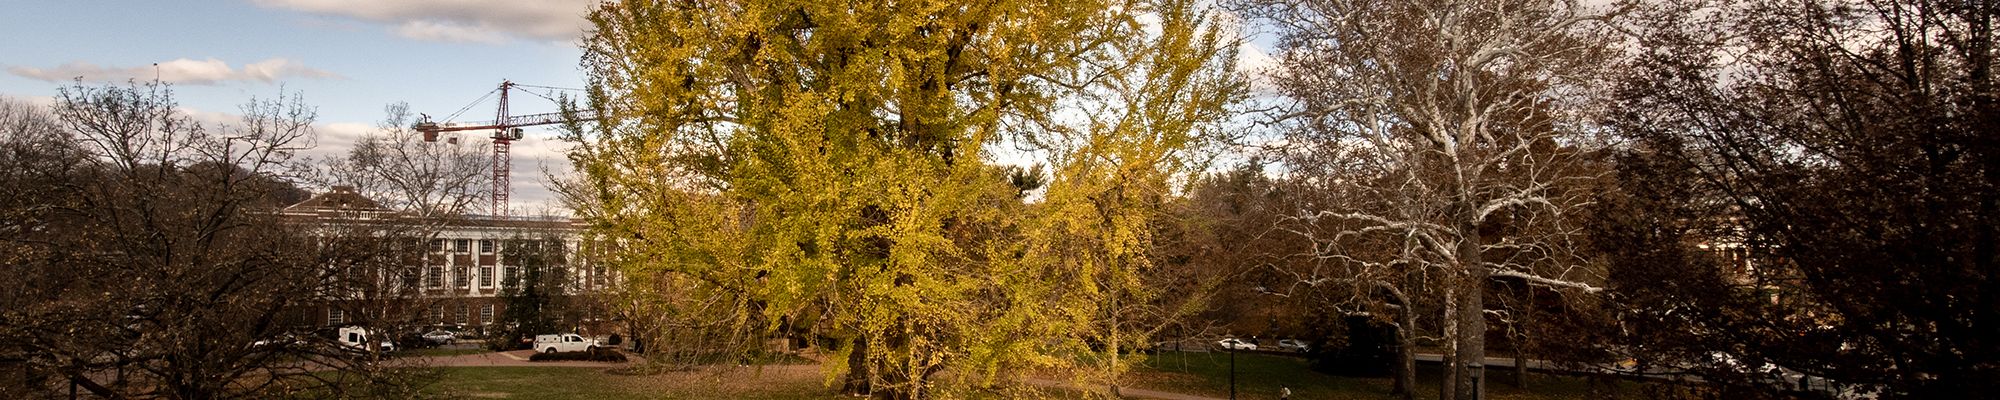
x: 506, y: 129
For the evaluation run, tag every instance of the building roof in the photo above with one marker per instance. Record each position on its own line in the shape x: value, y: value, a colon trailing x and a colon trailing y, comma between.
x: 345, y: 203
x: 341, y: 198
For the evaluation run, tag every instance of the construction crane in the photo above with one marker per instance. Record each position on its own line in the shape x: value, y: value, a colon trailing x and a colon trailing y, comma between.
x: 506, y: 129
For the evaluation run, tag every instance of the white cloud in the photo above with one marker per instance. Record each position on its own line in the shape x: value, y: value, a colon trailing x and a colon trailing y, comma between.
x: 448, y: 32
x: 1258, y: 64
x: 278, y: 68
x: 43, y: 102
x: 483, y: 21
x: 211, y: 119
x: 181, y: 71
x: 336, y: 138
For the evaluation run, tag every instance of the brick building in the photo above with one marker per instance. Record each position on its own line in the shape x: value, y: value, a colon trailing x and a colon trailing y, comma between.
x: 464, y: 267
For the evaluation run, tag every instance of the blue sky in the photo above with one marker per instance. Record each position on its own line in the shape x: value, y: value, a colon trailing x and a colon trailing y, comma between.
x: 348, y: 58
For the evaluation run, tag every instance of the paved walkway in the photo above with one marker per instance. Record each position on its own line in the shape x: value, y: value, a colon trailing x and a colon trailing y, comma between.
x: 516, y: 358
x: 1505, y: 362
x: 1129, y: 393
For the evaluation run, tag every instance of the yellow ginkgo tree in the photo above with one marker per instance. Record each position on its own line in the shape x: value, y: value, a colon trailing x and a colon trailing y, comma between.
x: 830, y: 171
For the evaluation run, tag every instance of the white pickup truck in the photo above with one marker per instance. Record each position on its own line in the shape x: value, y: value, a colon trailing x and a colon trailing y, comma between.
x: 563, y: 342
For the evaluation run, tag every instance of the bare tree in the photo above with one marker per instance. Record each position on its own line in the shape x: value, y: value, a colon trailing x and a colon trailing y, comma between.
x: 1819, y: 177
x: 1451, y: 135
x: 147, y: 259
x: 440, y: 180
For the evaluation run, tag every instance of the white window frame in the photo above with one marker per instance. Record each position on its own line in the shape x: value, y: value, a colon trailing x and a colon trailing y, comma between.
x: 434, y: 277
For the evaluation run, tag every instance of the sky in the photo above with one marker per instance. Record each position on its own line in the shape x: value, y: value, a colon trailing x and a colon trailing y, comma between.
x: 347, y: 58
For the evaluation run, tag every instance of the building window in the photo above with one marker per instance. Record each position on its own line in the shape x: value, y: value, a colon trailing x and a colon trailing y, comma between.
x: 462, y: 314
x: 437, y: 245
x: 436, y: 278
x: 486, y: 246
x: 597, y: 277
x: 440, y: 313
x: 335, y: 316
x: 512, y: 276
x: 459, y: 278
x: 461, y: 246
x: 485, y: 276
x: 486, y: 314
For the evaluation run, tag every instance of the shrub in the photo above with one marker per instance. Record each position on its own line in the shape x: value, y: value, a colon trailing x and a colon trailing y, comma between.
x: 598, y: 354
x: 506, y: 342
x: 1367, y: 348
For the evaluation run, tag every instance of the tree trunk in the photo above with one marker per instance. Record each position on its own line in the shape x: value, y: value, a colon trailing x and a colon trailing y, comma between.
x: 1111, y: 371
x: 1521, y: 341
x: 1520, y: 364
x: 1406, y: 355
x: 857, y: 369
x: 1471, y: 341
x: 1470, y: 375
x: 1448, y: 357
x: 1471, y: 355
x: 1405, y: 383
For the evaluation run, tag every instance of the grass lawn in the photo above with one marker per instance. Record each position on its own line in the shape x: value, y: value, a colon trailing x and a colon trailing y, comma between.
x: 596, y: 383
x: 778, y: 383
x: 1258, y: 376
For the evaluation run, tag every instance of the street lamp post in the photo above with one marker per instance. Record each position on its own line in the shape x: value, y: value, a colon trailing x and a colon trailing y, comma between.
x: 1478, y: 372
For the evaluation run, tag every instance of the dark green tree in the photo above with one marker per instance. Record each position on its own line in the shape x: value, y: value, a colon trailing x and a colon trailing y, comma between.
x: 537, y: 278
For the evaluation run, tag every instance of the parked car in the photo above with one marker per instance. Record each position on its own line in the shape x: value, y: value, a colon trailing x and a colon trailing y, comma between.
x: 357, y: 337
x: 1236, y: 344
x: 286, y: 339
x: 440, y: 337
x: 563, y: 342
x: 1294, y: 345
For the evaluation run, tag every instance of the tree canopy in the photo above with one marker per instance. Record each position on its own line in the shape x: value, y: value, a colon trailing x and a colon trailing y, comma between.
x: 831, y: 168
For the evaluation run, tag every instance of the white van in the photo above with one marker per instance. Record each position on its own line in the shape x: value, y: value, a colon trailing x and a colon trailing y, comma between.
x: 563, y: 342
x: 357, y: 337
